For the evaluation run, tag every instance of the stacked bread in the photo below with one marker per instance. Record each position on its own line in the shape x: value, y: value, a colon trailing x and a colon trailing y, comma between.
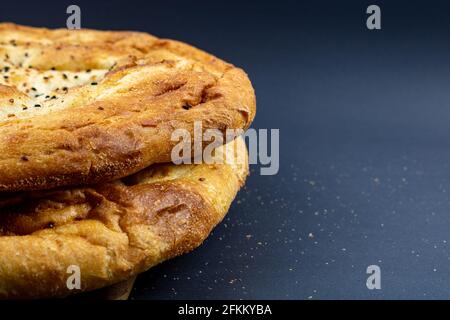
x: 87, y: 179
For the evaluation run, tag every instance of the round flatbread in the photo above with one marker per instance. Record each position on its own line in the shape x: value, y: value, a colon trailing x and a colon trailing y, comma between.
x: 84, y: 106
x: 114, y: 230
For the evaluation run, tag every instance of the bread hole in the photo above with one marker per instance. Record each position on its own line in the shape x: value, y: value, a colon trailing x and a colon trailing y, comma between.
x: 201, y: 179
x: 186, y: 106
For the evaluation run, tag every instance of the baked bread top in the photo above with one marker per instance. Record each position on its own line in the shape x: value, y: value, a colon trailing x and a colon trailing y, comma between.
x: 84, y: 106
x: 114, y: 230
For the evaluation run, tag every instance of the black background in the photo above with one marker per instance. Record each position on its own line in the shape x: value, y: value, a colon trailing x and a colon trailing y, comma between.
x: 364, y: 118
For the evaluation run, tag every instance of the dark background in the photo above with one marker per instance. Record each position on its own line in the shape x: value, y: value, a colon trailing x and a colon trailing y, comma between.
x: 364, y: 118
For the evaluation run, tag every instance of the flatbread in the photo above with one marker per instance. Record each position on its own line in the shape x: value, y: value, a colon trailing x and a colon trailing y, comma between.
x: 85, y: 106
x: 113, y: 231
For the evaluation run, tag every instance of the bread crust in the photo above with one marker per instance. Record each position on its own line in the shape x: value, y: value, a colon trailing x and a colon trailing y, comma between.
x: 113, y: 230
x: 108, y: 103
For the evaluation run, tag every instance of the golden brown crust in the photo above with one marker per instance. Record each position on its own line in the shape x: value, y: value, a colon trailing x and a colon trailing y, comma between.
x: 114, y: 230
x: 85, y: 106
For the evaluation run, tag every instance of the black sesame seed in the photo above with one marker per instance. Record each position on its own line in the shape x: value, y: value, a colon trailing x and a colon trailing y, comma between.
x: 94, y: 83
x: 187, y: 107
x: 51, y: 225
x: 33, y: 88
x: 24, y: 158
x: 6, y: 69
x: 37, y: 105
